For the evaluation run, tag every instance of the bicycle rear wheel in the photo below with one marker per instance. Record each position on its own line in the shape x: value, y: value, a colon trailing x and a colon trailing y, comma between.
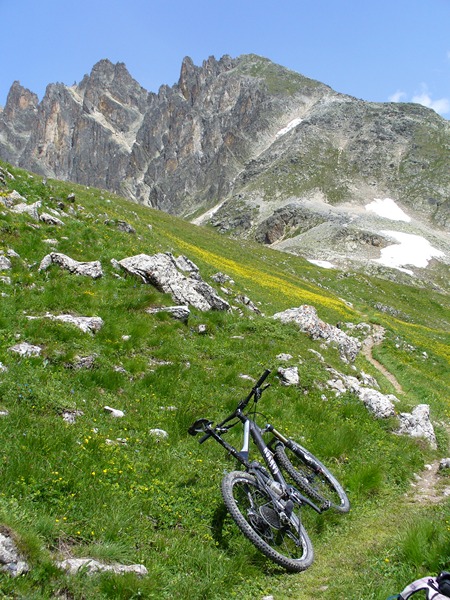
x: 251, y: 508
x: 311, y: 476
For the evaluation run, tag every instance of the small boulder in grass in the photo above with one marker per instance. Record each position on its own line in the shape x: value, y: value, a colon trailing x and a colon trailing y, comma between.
x: 289, y: 376
x: 114, y: 412
x: 159, y: 433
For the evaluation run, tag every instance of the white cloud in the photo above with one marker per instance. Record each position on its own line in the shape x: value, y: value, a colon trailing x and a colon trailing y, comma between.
x: 398, y: 96
x: 441, y: 106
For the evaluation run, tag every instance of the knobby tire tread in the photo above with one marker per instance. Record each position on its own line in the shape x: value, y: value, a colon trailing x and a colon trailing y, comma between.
x: 249, y: 532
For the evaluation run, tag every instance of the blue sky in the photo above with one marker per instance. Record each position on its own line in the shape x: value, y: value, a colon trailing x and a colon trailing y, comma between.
x: 377, y: 51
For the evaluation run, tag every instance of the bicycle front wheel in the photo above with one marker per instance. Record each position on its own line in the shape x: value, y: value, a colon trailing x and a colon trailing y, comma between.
x: 311, y: 476
x: 251, y: 508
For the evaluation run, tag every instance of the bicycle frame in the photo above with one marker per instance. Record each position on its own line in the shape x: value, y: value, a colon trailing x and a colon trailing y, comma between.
x: 254, y: 432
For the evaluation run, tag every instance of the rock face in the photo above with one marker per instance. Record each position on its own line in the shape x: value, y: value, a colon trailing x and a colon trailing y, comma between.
x: 249, y: 146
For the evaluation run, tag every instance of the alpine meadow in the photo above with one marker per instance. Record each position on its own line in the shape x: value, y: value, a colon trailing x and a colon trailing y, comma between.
x: 96, y: 461
x: 159, y: 252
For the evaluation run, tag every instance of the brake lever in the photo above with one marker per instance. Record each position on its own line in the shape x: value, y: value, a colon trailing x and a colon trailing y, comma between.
x: 199, y: 426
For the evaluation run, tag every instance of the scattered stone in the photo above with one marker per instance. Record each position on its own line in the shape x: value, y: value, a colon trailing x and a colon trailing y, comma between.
x: 11, y: 561
x: 159, y: 433
x: 5, y: 263
x: 247, y: 377
x: 181, y: 313
x: 70, y: 416
x: 114, y: 412
x: 51, y: 242
x: 4, y: 413
x: 91, y: 566
x: 316, y: 353
x: 28, y: 209
x: 90, y: 269
x: 222, y: 278
x: 289, y: 376
x: 12, y: 254
x: 284, y: 357
x: 83, y: 362
x: 418, y: 424
x: 50, y: 220
x: 377, y: 403
x: 26, y: 349
x: 201, y: 329
x: 6, y: 280
x: 248, y: 303
x: 15, y: 197
x: 162, y: 271
x: 157, y: 362
x: 168, y: 408
x: 116, y: 442
x: 86, y: 324
x: 3, y: 368
x: 306, y: 318
x: 125, y: 227
x: 71, y: 197
x: 444, y: 464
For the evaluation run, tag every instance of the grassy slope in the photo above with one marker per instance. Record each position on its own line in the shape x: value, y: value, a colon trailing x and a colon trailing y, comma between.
x: 158, y: 502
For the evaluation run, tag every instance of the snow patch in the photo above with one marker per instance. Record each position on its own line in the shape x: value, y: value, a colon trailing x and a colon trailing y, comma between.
x: 388, y: 209
x: 412, y: 250
x: 289, y: 126
x: 208, y: 214
x: 325, y: 264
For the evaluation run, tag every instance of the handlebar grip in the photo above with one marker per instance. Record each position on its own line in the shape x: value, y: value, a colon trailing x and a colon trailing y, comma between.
x: 262, y: 379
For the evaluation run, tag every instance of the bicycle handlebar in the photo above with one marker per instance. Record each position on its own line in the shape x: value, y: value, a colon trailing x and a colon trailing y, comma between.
x: 205, y: 424
x: 256, y: 390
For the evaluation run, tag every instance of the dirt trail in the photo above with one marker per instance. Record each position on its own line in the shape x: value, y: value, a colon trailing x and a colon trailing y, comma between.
x: 428, y: 487
x: 372, y: 340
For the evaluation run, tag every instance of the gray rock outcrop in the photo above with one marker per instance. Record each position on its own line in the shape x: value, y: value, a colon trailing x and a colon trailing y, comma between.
x: 181, y: 313
x: 306, y: 318
x: 91, y: 566
x: 163, y: 272
x: 11, y: 561
x: 25, y: 349
x: 89, y: 269
x: 418, y: 424
x: 288, y: 376
x: 86, y: 324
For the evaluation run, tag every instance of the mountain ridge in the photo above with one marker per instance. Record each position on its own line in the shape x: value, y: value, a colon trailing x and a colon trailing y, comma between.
x: 233, y: 142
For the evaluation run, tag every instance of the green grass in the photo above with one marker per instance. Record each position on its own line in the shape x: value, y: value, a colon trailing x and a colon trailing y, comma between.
x: 105, y: 488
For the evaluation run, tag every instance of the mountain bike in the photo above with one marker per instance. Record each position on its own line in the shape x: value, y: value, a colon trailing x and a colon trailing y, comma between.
x: 260, y: 500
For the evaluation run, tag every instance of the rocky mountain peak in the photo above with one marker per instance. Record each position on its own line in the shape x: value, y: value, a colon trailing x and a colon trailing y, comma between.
x: 248, y: 146
x: 20, y: 102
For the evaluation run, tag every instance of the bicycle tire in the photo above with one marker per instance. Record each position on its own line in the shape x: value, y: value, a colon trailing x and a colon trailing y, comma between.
x: 251, y: 508
x: 311, y: 476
